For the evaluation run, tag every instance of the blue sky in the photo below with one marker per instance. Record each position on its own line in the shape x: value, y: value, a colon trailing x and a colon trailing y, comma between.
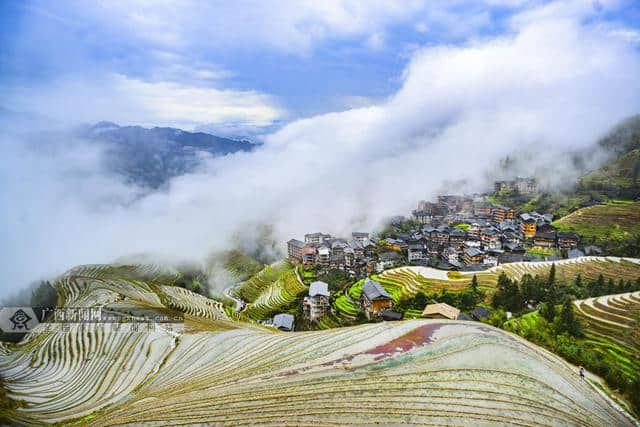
x: 297, y: 59
x: 292, y: 59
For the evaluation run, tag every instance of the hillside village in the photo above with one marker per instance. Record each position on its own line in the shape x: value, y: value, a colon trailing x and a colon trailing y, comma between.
x: 464, y: 233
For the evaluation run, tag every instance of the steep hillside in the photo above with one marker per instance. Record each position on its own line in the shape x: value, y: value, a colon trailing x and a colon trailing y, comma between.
x: 619, y: 178
x: 225, y: 372
x: 612, y: 324
x: 613, y: 221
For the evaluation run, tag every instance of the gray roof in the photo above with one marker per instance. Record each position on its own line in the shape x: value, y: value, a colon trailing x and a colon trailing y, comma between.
x: 318, y: 288
x: 296, y: 243
x: 480, y: 312
x: 390, y: 315
x: 472, y: 251
x: 572, y: 236
x: 389, y: 256
x: 284, y: 321
x: 456, y: 232
x: 575, y: 253
x: 545, y: 235
x: 374, y: 290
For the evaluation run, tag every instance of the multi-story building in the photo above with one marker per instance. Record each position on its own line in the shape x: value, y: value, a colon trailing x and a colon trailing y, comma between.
x: 309, y: 254
x: 545, y: 239
x: 457, y: 238
x: 317, y: 238
x: 441, y: 235
x: 316, y: 304
x: 324, y: 255
x: 490, y: 238
x: 500, y: 213
x: 567, y: 240
x: 528, y: 225
x: 417, y: 252
x: 473, y: 256
x: 294, y: 250
x: 482, y: 209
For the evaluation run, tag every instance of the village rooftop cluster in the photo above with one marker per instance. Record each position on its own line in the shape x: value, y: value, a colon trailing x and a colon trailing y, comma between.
x: 463, y: 233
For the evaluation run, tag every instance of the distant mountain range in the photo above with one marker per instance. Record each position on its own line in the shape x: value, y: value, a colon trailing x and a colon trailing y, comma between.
x: 150, y: 157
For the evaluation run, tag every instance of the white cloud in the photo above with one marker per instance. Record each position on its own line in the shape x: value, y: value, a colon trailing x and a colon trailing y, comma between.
x: 273, y: 24
x: 553, y: 85
x: 127, y: 100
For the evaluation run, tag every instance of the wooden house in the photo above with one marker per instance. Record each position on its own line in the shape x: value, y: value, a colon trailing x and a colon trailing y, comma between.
x: 374, y: 298
x: 440, y: 311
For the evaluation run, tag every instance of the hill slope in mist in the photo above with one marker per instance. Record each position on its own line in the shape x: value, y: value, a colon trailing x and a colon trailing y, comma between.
x: 228, y: 372
x: 150, y: 157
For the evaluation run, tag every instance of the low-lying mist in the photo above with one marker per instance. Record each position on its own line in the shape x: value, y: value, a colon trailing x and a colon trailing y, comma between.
x: 552, y: 87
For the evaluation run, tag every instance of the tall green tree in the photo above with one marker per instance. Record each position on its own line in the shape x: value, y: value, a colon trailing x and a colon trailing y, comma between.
x: 548, y: 311
x: 474, y: 284
x: 552, y: 293
x: 578, y: 281
x: 507, y: 294
x: 568, y: 321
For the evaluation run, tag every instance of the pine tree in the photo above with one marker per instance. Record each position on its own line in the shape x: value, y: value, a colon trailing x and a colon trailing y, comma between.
x: 552, y: 290
x: 578, y: 281
x: 568, y: 321
x: 552, y: 274
x: 600, y: 287
x: 548, y: 311
x: 628, y: 287
x: 474, y: 284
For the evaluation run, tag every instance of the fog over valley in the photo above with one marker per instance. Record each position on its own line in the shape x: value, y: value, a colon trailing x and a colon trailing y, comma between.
x: 457, y: 109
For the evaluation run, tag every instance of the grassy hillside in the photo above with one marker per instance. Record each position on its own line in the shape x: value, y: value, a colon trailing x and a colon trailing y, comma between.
x: 413, y: 372
x: 607, y: 341
x: 240, y: 264
x: 613, y: 221
x: 612, y: 325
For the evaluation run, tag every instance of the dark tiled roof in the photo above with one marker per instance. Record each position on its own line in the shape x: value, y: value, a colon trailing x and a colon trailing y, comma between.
x: 296, y: 243
x: 480, y: 313
x: 390, y: 314
x: 545, y: 235
x: 473, y: 251
x: 374, y: 291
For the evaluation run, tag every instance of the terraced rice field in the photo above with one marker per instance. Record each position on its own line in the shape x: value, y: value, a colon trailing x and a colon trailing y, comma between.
x: 413, y: 372
x: 604, y: 222
x: 279, y: 294
x: 251, y: 289
x: 405, y: 282
x: 612, y: 324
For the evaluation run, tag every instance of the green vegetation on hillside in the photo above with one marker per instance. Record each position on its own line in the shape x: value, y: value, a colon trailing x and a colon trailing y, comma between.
x: 617, y: 220
x: 611, y: 351
x: 241, y: 265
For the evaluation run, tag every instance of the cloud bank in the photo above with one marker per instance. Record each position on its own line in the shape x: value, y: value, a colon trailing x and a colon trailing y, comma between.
x: 555, y: 82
